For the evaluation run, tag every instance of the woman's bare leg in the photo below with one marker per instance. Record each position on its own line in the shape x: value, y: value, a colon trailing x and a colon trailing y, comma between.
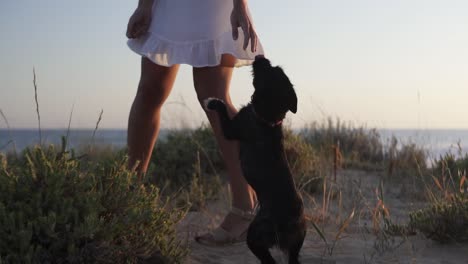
x: 215, y: 82
x: 143, y: 124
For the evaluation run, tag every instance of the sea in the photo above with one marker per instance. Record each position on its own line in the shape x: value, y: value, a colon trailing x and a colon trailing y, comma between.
x: 436, y: 141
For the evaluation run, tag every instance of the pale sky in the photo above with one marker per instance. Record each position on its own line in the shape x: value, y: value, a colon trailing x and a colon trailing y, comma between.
x: 385, y: 64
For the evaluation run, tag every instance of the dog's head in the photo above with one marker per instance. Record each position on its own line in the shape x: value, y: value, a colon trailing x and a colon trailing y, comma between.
x: 274, y: 94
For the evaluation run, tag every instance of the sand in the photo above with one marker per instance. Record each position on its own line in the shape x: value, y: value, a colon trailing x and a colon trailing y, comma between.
x: 357, y: 244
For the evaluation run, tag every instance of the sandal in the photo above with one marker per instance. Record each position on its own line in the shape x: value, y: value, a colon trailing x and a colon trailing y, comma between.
x: 221, y: 237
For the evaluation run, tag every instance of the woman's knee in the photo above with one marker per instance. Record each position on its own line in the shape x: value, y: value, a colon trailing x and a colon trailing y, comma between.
x: 212, y: 83
x: 151, y: 93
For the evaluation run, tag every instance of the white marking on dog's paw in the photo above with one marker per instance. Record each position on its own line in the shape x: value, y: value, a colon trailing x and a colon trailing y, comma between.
x: 207, y: 101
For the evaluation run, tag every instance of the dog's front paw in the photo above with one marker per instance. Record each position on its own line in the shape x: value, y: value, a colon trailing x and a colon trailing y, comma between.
x: 212, y: 103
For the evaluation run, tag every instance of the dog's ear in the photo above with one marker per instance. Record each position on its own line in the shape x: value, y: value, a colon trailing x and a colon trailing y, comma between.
x: 292, y: 100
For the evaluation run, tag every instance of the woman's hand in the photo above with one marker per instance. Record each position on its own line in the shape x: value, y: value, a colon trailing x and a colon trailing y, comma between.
x: 240, y: 18
x: 139, y: 22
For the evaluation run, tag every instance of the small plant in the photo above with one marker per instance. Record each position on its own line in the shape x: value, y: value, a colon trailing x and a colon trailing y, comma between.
x: 446, y: 218
x: 453, y: 173
x: 443, y: 222
x: 383, y: 227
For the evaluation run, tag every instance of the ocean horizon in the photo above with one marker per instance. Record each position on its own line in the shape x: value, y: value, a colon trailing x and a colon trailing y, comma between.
x: 436, y: 141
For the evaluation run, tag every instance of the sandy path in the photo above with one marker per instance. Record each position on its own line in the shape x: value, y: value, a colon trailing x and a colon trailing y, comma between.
x: 356, y: 245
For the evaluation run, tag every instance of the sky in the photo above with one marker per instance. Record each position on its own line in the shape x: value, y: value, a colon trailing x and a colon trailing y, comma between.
x: 379, y: 63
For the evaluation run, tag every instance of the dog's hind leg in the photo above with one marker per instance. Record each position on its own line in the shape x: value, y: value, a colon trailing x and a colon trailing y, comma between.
x: 260, y: 238
x: 294, y: 255
x: 295, y: 248
x: 262, y: 253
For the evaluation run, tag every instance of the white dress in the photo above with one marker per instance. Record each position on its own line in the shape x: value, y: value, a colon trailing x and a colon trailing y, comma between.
x: 193, y: 32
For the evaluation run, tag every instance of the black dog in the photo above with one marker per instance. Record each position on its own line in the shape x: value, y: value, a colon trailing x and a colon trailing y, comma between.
x: 280, y: 220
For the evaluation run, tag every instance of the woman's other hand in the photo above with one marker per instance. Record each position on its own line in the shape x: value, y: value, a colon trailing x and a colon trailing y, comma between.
x: 240, y: 18
x: 139, y: 22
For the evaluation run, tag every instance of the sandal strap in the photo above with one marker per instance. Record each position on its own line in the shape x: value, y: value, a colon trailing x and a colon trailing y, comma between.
x: 248, y: 215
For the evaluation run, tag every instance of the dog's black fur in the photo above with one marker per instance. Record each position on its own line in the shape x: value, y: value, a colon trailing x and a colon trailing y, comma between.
x: 280, y: 220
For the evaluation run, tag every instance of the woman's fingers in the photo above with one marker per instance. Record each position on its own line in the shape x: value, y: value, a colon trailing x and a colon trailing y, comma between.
x: 138, y: 24
x: 234, y: 26
x: 250, y: 36
x: 130, y: 30
x: 141, y: 30
x: 136, y: 30
x: 246, y: 30
x: 240, y: 18
x: 253, y: 40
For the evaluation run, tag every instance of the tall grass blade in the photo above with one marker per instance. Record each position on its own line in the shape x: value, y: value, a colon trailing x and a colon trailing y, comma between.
x: 68, y: 128
x: 97, y: 125
x: 437, y: 183
x: 345, y: 225
x: 319, y: 231
x: 11, y: 141
x: 37, y: 105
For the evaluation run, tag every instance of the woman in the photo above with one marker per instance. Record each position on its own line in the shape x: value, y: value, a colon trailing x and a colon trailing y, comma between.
x: 204, y: 34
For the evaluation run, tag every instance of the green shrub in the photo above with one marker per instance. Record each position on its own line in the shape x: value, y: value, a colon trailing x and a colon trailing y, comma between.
x: 190, y: 160
x: 200, y: 189
x: 448, y: 178
x: 450, y: 166
x: 173, y: 158
x: 305, y: 165
x: 443, y: 222
x: 446, y: 217
x: 358, y: 145
x: 405, y: 159
x: 363, y: 148
x: 56, y: 208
